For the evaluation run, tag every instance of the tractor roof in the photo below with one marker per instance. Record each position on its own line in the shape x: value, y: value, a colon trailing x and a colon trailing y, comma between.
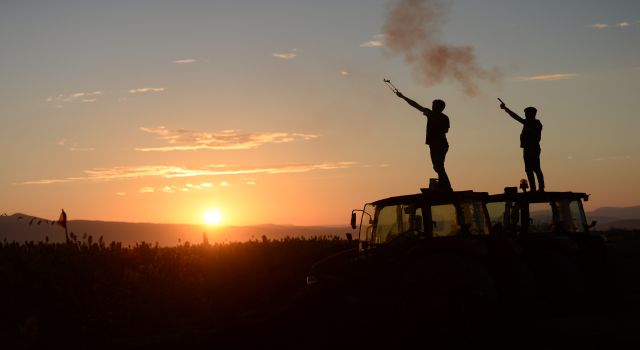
x: 432, y: 197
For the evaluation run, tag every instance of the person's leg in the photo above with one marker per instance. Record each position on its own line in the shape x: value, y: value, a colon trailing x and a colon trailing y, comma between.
x: 438, y: 154
x: 528, y: 168
x: 538, y: 171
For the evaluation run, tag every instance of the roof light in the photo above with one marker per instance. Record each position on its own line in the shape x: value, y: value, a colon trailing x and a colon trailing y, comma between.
x: 524, y: 184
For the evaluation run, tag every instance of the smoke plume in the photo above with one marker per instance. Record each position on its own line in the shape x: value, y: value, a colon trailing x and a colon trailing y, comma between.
x: 412, y: 29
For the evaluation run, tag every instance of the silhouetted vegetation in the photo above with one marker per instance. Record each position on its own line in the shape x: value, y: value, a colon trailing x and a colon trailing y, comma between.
x: 90, y: 293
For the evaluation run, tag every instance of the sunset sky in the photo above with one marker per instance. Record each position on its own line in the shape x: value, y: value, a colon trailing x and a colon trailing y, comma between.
x: 273, y: 111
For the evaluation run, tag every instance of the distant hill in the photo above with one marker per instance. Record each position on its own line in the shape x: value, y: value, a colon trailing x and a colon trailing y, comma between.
x: 616, y: 217
x: 22, y: 227
x: 619, y: 213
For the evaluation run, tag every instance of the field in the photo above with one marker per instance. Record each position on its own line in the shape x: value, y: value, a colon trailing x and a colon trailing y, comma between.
x: 106, y: 295
x: 97, y: 295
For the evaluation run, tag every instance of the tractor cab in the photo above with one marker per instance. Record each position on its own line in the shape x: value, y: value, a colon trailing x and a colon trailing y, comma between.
x: 425, y: 215
x: 538, y: 213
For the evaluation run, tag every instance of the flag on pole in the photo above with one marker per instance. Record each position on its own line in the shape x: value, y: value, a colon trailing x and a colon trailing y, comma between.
x: 62, y: 221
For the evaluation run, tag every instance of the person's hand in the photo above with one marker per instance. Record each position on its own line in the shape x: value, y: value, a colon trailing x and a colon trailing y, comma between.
x: 399, y: 94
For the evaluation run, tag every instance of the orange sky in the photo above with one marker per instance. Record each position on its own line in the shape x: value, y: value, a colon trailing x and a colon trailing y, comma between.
x: 151, y: 112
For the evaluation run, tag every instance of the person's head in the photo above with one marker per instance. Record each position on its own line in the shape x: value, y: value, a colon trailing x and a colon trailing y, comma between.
x: 530, y: 112
x: 438, y: 106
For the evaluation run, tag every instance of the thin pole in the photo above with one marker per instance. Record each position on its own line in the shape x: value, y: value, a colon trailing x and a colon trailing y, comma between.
x: 390, y: 85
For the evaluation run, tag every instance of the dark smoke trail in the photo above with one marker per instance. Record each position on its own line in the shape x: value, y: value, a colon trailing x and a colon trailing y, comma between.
x: 412, y: 29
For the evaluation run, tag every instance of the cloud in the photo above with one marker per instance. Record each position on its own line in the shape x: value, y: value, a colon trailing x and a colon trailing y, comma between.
x: 146, y: 89
x: 372, y: 43
x: 344, y: 73
x: 555, y: 76
x: 189, y: 187
x: 73, y: 147
x: 623, y: 24
x: 618, y: 157
x: 120, y: 194
x: 185, y: 61
x: 188, y: 140
x: 169, y: 172
x: 86, y: 97
x: 285, y: 55
x: 600, y: 26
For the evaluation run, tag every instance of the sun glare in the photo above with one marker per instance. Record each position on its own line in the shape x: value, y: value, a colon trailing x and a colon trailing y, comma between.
x: 212, y: 217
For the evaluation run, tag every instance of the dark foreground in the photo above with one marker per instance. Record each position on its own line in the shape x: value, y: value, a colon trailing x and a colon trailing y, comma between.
x: 253, y: 295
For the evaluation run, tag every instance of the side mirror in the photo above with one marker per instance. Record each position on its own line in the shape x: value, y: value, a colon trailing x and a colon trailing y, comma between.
x: 353, y: 220
x: 593, y: 224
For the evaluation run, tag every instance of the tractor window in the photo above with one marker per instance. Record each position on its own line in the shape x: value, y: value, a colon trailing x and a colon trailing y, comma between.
x: 496, y: 213
x: 569, y: 216
x: 578, y: 220
x: 474, y: 216
x: 541, y: 217
x: 444, y: 220
x: 367, y: 223
x: 557, y: 216
x: 393, y: 220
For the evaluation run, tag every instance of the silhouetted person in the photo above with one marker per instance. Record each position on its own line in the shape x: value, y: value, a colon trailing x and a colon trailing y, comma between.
x: 530, y: 144
x: 437, y: 128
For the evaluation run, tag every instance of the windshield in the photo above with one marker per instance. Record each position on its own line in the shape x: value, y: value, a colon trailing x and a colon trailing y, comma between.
x: 393, y: 220
x: 564, y: 215
x: 557, y: 216
x: 444, y: 220
x: 505, y: 214
x: 474, y: 215
x: 366, y: 229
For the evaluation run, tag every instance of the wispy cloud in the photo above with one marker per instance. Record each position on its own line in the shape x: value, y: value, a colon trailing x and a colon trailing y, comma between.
x: 169, y: 172
x: 146, y: 89
x: 599, y: 26
x: 120, y: 194
x: 188, y: 140
x: 344, y: 73
x: 372, y: 43
x: 617, y: 157
x: 74, y: 146
x: 205, y: 186
x: 81, y: 149
x: 555, y: 76
x: 285, y: 55
x: 377, y: 41
x: 185, y: 61
x: 623, y: 24
x: 86, y: 97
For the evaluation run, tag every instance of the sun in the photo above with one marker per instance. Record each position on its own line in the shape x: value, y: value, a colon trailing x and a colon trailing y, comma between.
x: 212, y: 217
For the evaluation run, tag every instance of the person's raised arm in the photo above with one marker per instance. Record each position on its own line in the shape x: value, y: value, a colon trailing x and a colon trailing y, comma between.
x: 511, y: 113
x: 413, y: 103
